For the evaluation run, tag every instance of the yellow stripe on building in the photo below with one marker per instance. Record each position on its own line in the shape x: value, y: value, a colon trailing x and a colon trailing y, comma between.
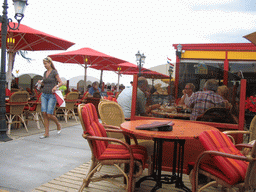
x: 232, y: 55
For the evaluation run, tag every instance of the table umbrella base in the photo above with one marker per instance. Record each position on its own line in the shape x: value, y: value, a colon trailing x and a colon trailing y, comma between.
x: 165, y: 179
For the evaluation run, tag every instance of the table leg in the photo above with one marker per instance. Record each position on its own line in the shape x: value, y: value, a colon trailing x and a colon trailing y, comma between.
x: 179, y: 183
x: 151, y: 177
x: 178, y: 159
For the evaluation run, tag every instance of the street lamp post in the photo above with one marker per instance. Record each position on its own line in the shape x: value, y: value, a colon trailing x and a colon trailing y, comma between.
x: 170, y: 83
x: 140, y: 58
x: 178, y: 57
x: 19, y: 6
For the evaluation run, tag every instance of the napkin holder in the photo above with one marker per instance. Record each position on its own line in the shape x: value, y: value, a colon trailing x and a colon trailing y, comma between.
x: 157, y: 126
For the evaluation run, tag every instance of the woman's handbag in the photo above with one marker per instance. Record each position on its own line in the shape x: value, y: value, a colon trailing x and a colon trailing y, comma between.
x: 60, y: 98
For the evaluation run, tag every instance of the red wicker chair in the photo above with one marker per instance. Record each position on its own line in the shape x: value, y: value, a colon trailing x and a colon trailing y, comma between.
x: 104, y: 153
x: 227, y: 166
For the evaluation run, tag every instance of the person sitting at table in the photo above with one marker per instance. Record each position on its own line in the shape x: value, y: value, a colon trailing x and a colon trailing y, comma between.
x: 187, y: 93
x: 125, y: 99
x: 202, y: 100
x: 223, y: 91
x: 94, y: 88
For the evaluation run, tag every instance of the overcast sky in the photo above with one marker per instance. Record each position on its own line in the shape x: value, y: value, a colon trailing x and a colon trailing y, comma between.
x: 120, y: 28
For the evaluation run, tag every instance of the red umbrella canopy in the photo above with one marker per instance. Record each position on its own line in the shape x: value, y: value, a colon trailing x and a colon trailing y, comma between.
x: 85, y: 56
x: 27, y: 38
x: 123, y: 67
x: 149, y: 74
x: 131, y: 69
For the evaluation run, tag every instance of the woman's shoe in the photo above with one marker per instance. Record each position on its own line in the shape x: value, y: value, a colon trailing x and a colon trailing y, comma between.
x: 43, y: 136
x: 59, y: 130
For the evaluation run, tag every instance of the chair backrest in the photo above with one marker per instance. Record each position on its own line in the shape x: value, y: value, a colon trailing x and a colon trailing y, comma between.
x: 18, y: 101
x: 252, y: 129
x: 71, y: 99
x: 217, y: 114
x: 91, y: 126
x: 234, y: 170
x: 111, y: 113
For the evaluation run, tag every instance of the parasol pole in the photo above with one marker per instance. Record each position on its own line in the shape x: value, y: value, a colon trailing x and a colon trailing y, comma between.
x: 118, y: 80
x: 85, y: 72
x: 9, y: 72
x: 101, y: 74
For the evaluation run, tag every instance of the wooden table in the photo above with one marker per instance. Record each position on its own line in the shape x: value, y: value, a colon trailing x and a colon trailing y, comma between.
x: 182, y: 131
x: 171, y: 115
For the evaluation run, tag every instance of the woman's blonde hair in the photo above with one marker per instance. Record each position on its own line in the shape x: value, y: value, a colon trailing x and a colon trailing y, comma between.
x: 49, y: 60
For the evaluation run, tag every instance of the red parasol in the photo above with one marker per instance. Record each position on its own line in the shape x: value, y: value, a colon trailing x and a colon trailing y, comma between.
x: 131, y: 69
x: 84, y: 57
x: 29, y: 39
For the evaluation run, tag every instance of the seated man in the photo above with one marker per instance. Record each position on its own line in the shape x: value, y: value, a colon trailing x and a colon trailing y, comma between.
x: 94, y: 88
x: 125, y: 99
x: 203, y: 100
x: 187, y: 93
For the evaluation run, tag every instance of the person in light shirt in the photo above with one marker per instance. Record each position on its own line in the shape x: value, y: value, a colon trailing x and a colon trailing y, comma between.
x: 125, y: 99
x: 187, y: 93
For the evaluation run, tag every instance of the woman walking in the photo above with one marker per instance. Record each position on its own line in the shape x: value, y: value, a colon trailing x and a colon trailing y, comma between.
x: 51, y: 82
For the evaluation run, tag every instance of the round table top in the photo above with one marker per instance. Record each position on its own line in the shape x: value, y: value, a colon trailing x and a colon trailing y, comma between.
x: 182, y: 129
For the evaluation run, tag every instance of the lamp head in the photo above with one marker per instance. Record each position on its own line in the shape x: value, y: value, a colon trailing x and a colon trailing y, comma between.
x: 19, y: 6
x: 179, y: 49
x: 138, y: 56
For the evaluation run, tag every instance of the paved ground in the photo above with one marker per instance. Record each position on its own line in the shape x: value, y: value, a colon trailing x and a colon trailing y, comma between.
x: 28, y: 162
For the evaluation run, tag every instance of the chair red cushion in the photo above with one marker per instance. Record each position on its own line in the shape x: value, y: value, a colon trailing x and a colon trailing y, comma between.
x: 94, y: 128
x: 114, y: 151
x: 7, y: 92
x: 230, y: 170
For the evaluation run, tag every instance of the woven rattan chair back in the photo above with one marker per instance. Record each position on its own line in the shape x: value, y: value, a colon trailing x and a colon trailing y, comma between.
x: 18, y: 101
x: 111, y: 113
x: 71, y: 99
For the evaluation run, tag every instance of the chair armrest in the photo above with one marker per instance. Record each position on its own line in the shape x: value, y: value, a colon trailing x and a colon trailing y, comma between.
x: 118, y: 130
x: 111, y: 127
x: 126, y: 135
x: 111, y: 140
x: 243, y: 145
x: 235, y: 133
